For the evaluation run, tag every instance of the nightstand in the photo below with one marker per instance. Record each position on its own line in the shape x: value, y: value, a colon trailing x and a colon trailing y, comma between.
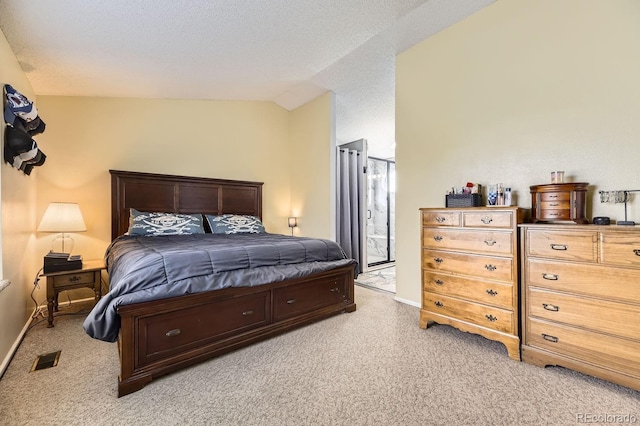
x: 89, y: 276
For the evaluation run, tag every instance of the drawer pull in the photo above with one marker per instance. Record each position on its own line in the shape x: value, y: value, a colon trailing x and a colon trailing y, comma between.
x: 549, y: 307
x: 637, y: 252
x: 486, y: 220
x: 174, y: 332
x: 553, y: 204
x: 490, y: 267
x: 437, y: 238
x: 438, y: 304
x: 291, y: 301
x: 335, y: 289
x: 559, y: 247
x: 550, y: 277
x: 439, y: 282
x: 491, y: 318
x: 491, y: 292
x: 490, y: 242
x: 552, y: 196
x: 74, y: 279
x: 440, y: 219
x: 550, y: 338
x: 247, y: 313
x: 438, y: 259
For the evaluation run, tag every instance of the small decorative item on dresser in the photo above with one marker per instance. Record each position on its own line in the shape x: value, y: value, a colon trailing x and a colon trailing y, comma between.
x: 560, y: 202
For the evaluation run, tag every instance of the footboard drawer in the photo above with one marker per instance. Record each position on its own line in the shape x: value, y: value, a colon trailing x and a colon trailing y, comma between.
x: 165, y: 334
x: 295, y: 300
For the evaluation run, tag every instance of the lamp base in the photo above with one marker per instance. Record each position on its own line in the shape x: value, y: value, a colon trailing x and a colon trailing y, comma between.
x: 625, y: 223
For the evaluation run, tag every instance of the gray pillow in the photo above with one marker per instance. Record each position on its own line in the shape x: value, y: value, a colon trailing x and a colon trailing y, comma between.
x: 235, y: 224
x: 154, y: 224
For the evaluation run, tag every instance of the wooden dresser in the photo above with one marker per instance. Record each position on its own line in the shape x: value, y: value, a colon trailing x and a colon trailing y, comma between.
x: 581, y: 299
x: 559, y: 202
x: 470, y: 271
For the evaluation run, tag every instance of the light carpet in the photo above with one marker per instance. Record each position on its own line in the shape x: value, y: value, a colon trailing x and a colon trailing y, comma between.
x: 374, y: 366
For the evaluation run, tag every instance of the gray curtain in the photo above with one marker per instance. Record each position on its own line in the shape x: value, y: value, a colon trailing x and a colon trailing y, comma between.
x: 350, y: 200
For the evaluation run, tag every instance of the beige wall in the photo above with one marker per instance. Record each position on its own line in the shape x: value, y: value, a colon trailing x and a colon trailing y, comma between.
x: 17, y: 197
x: 312, y: 168
x: 513, y: 92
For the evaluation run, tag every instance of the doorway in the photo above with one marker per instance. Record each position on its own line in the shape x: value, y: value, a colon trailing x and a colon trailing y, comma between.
x: 381, y: 212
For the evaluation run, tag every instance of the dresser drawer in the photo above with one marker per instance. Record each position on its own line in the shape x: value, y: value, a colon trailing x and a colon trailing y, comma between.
x: 490, y: 242
x: 587, y: 279
x: 496, y: 268
x: 555, y: 205
x: 565, y: 245
x: 486, y: 292
x: 441, y: 218
x: 599, y: 349
x: 598, y: 315
x: 476, y: 313
x: 488, y: 219
x: 621, y: 249
x: 555, y: 214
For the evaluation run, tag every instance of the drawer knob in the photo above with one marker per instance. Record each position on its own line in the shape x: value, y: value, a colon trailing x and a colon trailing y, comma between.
x: 550, y: 338
x: 489, y: 242
x: 559, y: 247
x: 437, y: 238
x: 438, y: 304
x: 439, y: 282
x: 440, y: 219
x: 550, y: 277
x: 549, y: 307
x: 491, y: 292
x: 486, y: 220
x: 335, y: 289
x: 291, y: 301
x: 491, y: 318
x: 637, y: 252
x: 247, y: 313
x: 438, y: 259
x: 74, y: 279
x: 490, y: 267
x: 174, y: 332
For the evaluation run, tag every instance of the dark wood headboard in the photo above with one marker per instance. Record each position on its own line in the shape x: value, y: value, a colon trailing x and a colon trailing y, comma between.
x: 152, y: 192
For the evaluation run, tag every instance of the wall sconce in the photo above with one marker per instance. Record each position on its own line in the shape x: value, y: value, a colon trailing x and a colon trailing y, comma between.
x: 62, y: 218
x: 293, y: 222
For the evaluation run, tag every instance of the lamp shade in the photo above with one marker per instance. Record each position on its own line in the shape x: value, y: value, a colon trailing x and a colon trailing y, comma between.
x: 62, y: 217
x: 293, y: 222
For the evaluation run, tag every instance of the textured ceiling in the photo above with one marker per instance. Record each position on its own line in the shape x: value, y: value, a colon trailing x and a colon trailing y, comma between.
x: 285, y: 51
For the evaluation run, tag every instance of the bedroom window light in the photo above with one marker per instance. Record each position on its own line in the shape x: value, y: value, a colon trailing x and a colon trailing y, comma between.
x: 62, y: 218
x: 293, y: 222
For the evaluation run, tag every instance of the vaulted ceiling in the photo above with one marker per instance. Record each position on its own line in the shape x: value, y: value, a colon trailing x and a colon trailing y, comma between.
x: 285, y: 51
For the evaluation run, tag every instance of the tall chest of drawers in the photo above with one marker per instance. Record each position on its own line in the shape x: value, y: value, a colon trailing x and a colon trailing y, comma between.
x: 581, y: 299
x: 470, y: 271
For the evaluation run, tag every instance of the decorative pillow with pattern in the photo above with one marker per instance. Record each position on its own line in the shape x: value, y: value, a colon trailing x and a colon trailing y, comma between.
x: 154, y: 224
x: 235, y: 224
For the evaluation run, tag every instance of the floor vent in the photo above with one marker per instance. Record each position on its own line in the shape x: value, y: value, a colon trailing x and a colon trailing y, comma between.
x: 45, y: 361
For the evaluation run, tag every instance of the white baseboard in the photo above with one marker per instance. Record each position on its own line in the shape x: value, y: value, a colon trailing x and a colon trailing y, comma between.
x: 406, y: 301
x: 7, y: 359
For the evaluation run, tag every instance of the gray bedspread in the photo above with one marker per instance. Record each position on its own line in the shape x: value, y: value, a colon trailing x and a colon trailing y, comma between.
x: 145, y: 268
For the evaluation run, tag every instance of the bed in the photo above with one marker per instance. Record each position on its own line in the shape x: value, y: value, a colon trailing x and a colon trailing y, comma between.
x: 161, y: 329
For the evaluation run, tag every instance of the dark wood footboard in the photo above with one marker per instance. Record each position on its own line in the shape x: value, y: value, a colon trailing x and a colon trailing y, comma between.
x: 159, y: 337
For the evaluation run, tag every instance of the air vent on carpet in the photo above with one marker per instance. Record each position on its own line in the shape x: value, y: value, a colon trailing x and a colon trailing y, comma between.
x: 45, y: 361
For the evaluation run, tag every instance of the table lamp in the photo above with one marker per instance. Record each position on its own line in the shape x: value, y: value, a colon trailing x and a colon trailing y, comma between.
x: 62, y: 218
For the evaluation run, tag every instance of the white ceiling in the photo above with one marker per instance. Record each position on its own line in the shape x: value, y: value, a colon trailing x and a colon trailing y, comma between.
x: 285, y: 51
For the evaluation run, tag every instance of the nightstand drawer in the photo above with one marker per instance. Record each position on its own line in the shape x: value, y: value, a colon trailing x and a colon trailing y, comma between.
x: 75, y: 279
